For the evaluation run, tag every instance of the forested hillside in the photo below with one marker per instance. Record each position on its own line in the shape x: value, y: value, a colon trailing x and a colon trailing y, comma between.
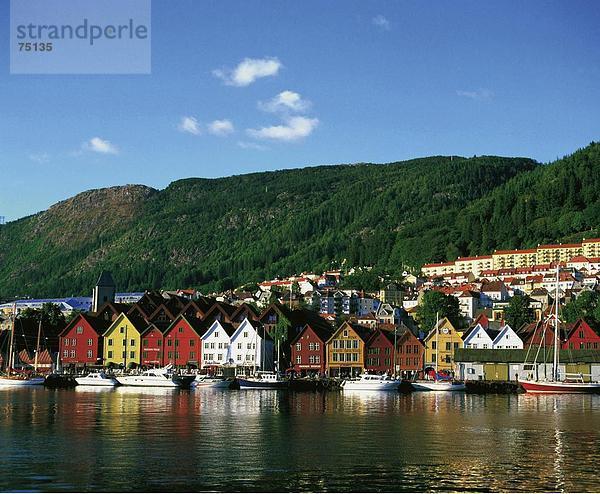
x: 218, y: 233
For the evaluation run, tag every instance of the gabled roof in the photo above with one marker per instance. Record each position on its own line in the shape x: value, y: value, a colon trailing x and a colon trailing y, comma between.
x: 98, y: 324
x: 138, y: 323
x: 362, y: 332
x: 259, y: 328
x: 503, y: 330
x: 322, y: 333
x: 196, y: 324
x: 247, y: 309
x: 225, y: 326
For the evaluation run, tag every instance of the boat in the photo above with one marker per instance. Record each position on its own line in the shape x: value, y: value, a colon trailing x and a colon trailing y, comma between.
x: 435, y: 381
x: 156, y: 378
x: 568, y: 383
x: 263, y: 380
x: 11, y: 379
x: 97, y: 379
x: 371, y: 382
x: 211, y: 382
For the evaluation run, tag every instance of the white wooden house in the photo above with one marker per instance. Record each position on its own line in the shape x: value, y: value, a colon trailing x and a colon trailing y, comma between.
x: 251, y: 347
x: 216, y: 344
x: 507, y: 338
x: 478, y: 337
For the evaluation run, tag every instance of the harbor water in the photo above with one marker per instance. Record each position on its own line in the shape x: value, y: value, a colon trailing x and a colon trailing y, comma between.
x: 131, y: 439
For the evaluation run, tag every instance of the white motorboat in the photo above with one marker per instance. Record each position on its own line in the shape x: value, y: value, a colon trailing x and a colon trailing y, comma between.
x: 158, y: 378
x: 211, y: 382
x: 371, y: 382
x: 97, y: 379
x: 263, y: 380
x: 433, y: 385
x: 13, y: 380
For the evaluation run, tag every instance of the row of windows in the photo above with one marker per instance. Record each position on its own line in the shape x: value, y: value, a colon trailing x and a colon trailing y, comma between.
x: 376, y: 361
x: 312, y: 359
x: 73, y: 354
x: 377, y: 351
x: 447, y: 358
x: 448, y: 345
x: 311, y: 346
x: 349, y: 357
x: 123, y: 354
x: 345, y: 344
x: 73, y: 342
x: 223, y: 346
x: 409, y: 348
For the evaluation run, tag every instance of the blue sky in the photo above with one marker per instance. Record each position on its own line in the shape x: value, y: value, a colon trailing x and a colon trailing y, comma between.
x: 324, y: 82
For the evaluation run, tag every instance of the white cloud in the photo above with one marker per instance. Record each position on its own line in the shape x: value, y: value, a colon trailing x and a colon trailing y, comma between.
x: 98, y: 145
x: 295, y: 128
x: 40, y: 158
x: 220, y: 127
x: 252, y: 145
x: 381, y: 22
x: 189, y: 125
x: 285, y: 101
x: 479, y: 95
x: 248, y: 71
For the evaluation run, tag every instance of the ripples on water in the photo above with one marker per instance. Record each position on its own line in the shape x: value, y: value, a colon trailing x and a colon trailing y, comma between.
x: 129, y: 439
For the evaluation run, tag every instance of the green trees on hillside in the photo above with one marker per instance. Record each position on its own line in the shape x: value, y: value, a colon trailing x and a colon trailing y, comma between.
x: 437, y: 304
x: 518, y: 312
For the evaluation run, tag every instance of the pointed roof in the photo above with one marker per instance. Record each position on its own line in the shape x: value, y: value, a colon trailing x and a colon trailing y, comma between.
x: 105, y: 279
x: 196, y: 324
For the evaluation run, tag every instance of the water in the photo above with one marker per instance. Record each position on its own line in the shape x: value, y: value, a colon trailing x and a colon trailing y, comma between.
x: 168, y: 440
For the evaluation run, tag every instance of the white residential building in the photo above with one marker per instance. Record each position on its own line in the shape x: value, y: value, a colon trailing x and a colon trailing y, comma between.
x: 507, y: 338
x: 251, y: 347
x: 478, y: 337
x: 216, y: 345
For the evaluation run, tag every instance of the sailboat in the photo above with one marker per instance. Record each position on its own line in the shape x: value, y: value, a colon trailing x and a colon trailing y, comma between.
x: 11, y: 379
x: 569, y: 383
x: 264, y: 379
x: 434, y: 381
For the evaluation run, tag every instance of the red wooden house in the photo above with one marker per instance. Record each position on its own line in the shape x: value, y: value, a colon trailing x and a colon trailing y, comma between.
x: 579, y: 336
x: 152, y: 347
x: 308, y: 350
x: 182, y: 342
x: 380, y: 352
x: 80, y: 343
x: 411, y: 353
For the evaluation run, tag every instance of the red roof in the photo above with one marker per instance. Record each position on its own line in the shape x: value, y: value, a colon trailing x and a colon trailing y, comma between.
x: 559, y: 246
x: 476, y: 258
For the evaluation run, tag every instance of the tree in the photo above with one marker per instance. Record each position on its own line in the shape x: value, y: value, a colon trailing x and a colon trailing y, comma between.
x: 280, y: 333
x: 436, y: 304
x: 518, y: 312
x: 585, y: 306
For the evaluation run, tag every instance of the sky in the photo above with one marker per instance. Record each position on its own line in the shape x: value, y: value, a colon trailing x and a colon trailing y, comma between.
x: 254, y: 85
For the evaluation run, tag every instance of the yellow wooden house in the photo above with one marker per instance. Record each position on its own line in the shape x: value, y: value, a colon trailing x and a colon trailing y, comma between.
x: 346, y: 350
x: 440, y: 344
x: 122, y: 342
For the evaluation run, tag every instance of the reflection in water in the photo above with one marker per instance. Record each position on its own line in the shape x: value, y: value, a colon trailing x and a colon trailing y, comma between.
x: 263, y: 440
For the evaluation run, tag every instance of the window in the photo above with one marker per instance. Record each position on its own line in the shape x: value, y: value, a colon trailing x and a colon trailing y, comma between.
x: 177, y: 355
x: 448, y: 359
x: 335, y: 357
x: 249, y: 346
x: 131, y: 342
x: 416, y: 361
x: 400, y: 349
x: 181, y: 330
x: 311, y: 346
x: 206, y: 344
x: 311, y: 359
x: 192, y: 343
x: 239, y: 357
x: 131, y: 354
x: 433, y: 345
x: 248, y: 357
x: 388, y: 351
x: 205, y: 357
x: 110, y: 354
x: 299, y: 346
x: 298, y: 359
x: 448, y: 346
x: 345, y: 333
x: 415, y: 348
x: 73, y: 342
x: 317, y: 346
x: 219, y: 356
x: 124, y: 343
x: 581, y: 335
x: 90, y: 342
x: 159, y: 342
x: 79, y: 329
x: 212, y: 346
x: 433, y: 357
x: 335, y: 344
x: 581, y: 345
x: 354, y: 344
x: 239, y: 346
x: 121, y: 330
x: 348, y: 344
x: 124, y: 354
x: 355, y: 357
x: 408, y: 349
x: 169, y: 342
x: 170, y: 355
x: 65, y: 353
x: 145, y: 342
x: 245, y: 334
x: 455, y: 345
x: 145, y: 354
x: 90, y: 354
x: 216, y: 334
x: 192, y: 355
x: 67, y: 341
x: 176, y: 343
x: 317, y: 359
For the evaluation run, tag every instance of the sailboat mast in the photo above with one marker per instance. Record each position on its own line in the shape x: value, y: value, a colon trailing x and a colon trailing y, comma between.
x: 37, y: 345
x: 12, y: 339
x: 437, y: 340
x: 556, y: 327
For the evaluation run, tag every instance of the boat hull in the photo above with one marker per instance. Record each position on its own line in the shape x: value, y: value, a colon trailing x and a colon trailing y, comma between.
x: 437, y: 386
x: 146, y: 382
x: 361, y: 386
x: 257, y: 384
x: 84, y: 381
x: 559, y: 387
x: 212, y: 384
x: 12, y: 382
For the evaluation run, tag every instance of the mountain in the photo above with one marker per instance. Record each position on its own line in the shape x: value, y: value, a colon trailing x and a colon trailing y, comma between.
x: 218, y: 233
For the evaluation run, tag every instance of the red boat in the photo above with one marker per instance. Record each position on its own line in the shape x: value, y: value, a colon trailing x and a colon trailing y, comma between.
x: 559, y: 387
